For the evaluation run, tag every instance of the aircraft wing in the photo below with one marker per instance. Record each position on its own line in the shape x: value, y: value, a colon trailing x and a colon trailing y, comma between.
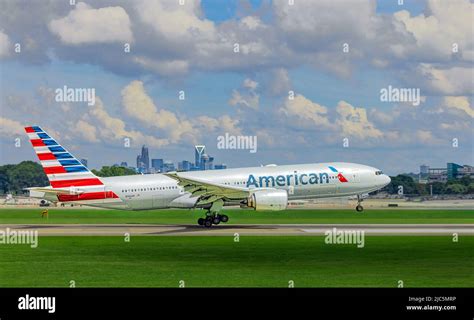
x: 210, y: 192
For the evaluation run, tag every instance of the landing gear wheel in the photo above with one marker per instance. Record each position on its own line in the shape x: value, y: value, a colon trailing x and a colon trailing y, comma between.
x: 224, y: 218
x: 359, y: 208
x: 216, y: 220
x: 208, y: 223
x: 201, y: 221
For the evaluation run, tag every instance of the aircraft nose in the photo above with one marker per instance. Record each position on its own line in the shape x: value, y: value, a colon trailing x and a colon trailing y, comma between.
x: 386, y: 180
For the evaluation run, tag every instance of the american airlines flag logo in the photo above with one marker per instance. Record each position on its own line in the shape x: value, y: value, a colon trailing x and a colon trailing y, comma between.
x: 339, y: 175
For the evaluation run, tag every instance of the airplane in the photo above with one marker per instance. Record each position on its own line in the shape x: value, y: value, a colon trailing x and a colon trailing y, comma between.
x: 258, y: 188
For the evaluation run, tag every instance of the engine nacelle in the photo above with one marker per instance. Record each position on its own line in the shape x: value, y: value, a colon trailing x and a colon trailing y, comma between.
x: 268, y: 199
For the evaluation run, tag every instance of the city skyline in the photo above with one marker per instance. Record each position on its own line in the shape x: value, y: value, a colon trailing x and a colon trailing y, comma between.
x: 147, y: 164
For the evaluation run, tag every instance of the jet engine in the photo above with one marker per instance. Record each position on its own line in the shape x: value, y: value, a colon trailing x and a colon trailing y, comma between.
x: 268, y: 199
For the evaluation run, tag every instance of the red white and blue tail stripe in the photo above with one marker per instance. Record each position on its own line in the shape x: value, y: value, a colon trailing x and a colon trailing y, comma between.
x: 64, y: 171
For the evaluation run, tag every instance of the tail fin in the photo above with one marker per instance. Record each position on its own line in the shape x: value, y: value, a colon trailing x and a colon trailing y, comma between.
x: 61, y: 167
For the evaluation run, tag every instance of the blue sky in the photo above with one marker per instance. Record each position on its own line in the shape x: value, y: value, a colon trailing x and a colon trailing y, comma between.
x: 283, y: 49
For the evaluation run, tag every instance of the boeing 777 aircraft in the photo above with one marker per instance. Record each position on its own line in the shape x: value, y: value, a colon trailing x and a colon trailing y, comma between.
x: 259, y: 188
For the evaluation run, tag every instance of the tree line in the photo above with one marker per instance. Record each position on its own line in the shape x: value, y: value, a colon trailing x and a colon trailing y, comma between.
x: 464, y: 185
x: 14, y: 178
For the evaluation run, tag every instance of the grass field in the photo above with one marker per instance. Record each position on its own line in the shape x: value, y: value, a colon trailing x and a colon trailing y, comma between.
x: 64, y: 216
x: 253, y: 262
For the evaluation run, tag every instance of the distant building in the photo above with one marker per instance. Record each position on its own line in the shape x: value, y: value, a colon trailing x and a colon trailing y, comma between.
x: 145, y: 157
x: 424, y: 169
x: 168, y: 166
x: 84, y: 162
x: 140, y: 165
x: 143, y: 160
x: 220, y: 166
x: 452, y: 171
x: 437, y: 175
x: 199, y: 150
x: 157, y: 165
x: 203, y: 161
x: 207, y: 162
x: 465, y: 171
x: 184, y: 165
x: 124, y: 164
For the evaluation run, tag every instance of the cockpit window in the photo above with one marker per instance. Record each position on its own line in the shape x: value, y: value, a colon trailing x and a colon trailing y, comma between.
x: 378, y: 173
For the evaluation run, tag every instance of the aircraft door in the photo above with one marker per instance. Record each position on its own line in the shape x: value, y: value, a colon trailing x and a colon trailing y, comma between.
x: 158, y: 202
x: 355, y: 176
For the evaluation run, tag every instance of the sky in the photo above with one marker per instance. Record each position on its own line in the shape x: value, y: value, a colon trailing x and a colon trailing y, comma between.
x: 313, y: 81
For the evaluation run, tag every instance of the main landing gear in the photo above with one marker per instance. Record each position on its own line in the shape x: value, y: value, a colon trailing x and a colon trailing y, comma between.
x: 212, y: 219
x: 359, y: 207
x: 213, y: 216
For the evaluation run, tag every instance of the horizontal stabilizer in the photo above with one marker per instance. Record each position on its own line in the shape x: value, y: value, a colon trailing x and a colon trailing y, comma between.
x: 56, y: 190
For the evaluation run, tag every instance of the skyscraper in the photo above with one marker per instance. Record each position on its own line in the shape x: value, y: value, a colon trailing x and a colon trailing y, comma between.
x: 157, y: 164
x: 145, y: 157
x: 198, y: 152
x: 143, y: 160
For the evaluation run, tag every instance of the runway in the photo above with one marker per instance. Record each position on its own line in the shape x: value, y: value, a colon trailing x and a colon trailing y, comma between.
x: 243, y: 229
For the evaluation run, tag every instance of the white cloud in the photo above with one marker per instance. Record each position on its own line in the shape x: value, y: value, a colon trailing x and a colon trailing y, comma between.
x: 86, y: 130
x: 457, y: 126
x: 139, y: 105
x: 87, y: 25
x: 249, y: 101
x: 173, y: 39
x: 323, y: 18
x: 247, y: 97
x: 250, y: 84
x: 279, y: 82
x: 230, y: 125
x: 220, y: 125
x: 175, y: 21
x: 4, y: 44
x: 450, y: 81
x: 10, y: 128
x: 353, y: 122
x: 302, y: 108
x: 459, y: 103
x: 114, y: 129
x: 251, y: 22
x: 449, y: 22
x: 426, y: 137
x: 182, y: 31
x: 383, y: 117
x: 163, y: 67
x: 266, y: 137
